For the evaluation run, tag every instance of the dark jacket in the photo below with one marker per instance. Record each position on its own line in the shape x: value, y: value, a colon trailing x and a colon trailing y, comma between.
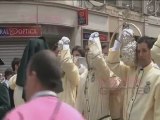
x: 4, y: 100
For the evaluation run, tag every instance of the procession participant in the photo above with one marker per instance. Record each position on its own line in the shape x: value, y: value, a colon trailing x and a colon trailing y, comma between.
x: 42, y: 84
x: 33, y: 46
x: 142, y: 93
x: 97, y: 83
x: 71, y: 77
x: 116, y: 91
x: 12, y: 81
x: 78, y: 57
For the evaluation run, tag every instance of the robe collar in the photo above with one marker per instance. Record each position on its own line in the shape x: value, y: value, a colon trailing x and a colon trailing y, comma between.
x: 44, y: 93
x: 148, y: 67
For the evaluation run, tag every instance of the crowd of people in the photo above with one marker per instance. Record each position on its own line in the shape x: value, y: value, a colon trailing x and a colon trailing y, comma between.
x: 78, y: 84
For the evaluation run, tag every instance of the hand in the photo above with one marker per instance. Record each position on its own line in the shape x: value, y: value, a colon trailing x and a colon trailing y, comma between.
x: 93, y: 36
x: 125, y: 33
x: 65, y: 40
x: 63, y: 44
x: 128, y: 32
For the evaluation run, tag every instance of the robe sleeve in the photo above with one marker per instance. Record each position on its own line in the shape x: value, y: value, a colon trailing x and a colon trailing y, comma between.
x: 118, y: 67
x: 101, y: 67
x: 157, y: 103
x: 84, y: 73
x: 155, y: 51
x: 4, y: 100
x: 70, y: 69
x: 99, y: 62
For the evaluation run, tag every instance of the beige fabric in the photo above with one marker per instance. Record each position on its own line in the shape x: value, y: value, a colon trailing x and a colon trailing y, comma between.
x: 97, y: 86
x: 18, y: 96
x: 70, y: 79
x: 80, y: 99
x: 142, y: 91
x: 156, y: 51
x: 12, y: 82
x: 116, y: 97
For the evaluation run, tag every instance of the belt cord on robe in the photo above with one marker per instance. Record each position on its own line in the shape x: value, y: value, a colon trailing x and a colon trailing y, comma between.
x: 86, y: 96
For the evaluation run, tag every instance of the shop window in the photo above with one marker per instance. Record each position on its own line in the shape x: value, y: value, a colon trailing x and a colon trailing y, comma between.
x: 86, y: 35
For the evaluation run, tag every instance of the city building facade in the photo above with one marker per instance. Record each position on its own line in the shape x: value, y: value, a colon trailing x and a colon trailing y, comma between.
x: 21, y: 20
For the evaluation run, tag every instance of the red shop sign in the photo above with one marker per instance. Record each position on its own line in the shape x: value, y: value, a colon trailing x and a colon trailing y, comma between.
x: 83, y: 17
x: 20, y: 31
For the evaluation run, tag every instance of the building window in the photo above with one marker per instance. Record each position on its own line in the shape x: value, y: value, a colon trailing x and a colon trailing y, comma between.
x: 111, y: 2
x: 137, y: 5
x: 101, y: 1
x: 157, y: 7
x: 126, y: 3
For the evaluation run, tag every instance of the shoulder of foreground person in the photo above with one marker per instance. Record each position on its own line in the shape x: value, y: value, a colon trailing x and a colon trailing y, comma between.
x: 42, y: 109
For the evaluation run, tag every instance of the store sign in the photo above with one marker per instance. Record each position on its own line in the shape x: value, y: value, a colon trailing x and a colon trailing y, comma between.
x: 101, y: 36
x: 83, y: 17
x: 20, y: 31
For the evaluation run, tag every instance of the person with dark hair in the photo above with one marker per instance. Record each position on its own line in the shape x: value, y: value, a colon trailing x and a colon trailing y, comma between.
x: 78, y: 51
x: 4, y: 97
x: 7, y: 75
x: 33, y: 46
x: 142, y: 81
x: 15, y: 64
x: 42, y: 85
x: 79, y: 59
x: 71, y: 76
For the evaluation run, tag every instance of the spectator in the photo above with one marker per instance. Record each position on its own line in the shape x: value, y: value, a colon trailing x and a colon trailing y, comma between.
x: 42, y: 84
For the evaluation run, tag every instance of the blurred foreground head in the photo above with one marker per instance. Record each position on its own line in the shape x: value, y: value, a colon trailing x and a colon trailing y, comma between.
x: 43, y: 73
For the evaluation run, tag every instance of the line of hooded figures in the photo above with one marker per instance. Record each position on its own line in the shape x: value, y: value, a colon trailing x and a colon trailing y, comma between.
x: 122, y: 83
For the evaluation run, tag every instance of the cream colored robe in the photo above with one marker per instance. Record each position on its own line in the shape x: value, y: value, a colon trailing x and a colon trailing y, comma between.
x: 142, y: 91
x: 80, y: 100
x: 155, y: 51
x: 18, y: 90
x: 97, y: 88
x: 70, y: 79
x: 116, y: 97
x: 12, y: 82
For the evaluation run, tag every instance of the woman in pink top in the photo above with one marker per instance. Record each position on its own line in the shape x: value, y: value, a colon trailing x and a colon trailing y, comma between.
x: 43, y: 82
